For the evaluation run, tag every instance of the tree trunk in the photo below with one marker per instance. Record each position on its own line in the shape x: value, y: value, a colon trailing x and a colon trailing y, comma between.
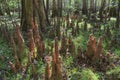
x: 92, y: 6
x: 41, y: 13
x: 23, y: 17
x: 46, y: 14
x: 54, y: 9
x: 47, y: 5
x: 118, y: 15
x: 58, y: 28
x: 47, y: 9
x: 27, y: 15
x: 85, y: 7
x: 103, y: 2
x: 60, y: 8
x: 95, y: 6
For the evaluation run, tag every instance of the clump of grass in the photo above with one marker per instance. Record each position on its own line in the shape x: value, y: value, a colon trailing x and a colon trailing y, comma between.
x: 88, y: 74
x: 116, y: 70
x: 113, y: 74
x: 85, y: 74
x: 117, y: 52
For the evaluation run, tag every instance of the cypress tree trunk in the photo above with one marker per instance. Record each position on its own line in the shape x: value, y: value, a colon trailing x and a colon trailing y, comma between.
x: 23, y: 16
x: 29, y: 13
x: 41, y: 13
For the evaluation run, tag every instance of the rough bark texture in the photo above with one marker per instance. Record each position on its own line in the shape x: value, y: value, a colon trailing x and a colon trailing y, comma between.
x: 41, y: 13
x: 27, y: 15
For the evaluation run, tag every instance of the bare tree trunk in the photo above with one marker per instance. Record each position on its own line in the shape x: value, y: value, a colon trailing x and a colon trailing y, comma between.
x: 95, y: 6
x: 92, y: 6
x: 58, y: 28
x: 47, y: 5
x: 27, y: 15
x: 47, y: 8
x: 60, y: 8
x: 41, y: 13
x: 54, y: 9
x: 46, y: 14
x: 118, y: 15
x: 85, y: 7
x: 23, y: 17
x: 103, y: 2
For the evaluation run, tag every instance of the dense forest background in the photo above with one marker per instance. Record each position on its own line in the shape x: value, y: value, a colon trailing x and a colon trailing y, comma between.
x: 59, y: 39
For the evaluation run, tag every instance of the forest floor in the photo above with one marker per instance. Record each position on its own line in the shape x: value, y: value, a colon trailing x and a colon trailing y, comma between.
x: 74, y: 67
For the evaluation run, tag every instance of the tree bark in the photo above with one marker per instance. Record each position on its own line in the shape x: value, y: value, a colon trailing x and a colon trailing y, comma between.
x: 41, y: 13
x: 27, y: 15
x: 23, y: 17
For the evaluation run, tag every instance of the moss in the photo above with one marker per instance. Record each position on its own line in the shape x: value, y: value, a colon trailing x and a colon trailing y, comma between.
x: 114, y: 72
x: 87, y: 74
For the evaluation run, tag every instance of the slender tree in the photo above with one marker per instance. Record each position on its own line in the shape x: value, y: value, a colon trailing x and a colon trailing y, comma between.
x: 92, y: 6
x: 118, y: 15
x: 103, y: 2
x: 54, y: 9
x: 85, y: 7
x: 59, y: 8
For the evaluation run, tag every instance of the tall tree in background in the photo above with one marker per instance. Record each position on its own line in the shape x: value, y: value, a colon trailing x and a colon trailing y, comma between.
x: 23, y: 17
x: 96, y: 6
x: 39, y: 8
x: 85, y: 7
x: 103, y: 2
x: 47, y: 6
x: 92, y: 6
x: 27, y: 15
x: 54, y: 9
x: 47, y: 11
x: 1, y: 12
x: 41, y: 13
x: 59, y: 8
x: 118, y: 15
